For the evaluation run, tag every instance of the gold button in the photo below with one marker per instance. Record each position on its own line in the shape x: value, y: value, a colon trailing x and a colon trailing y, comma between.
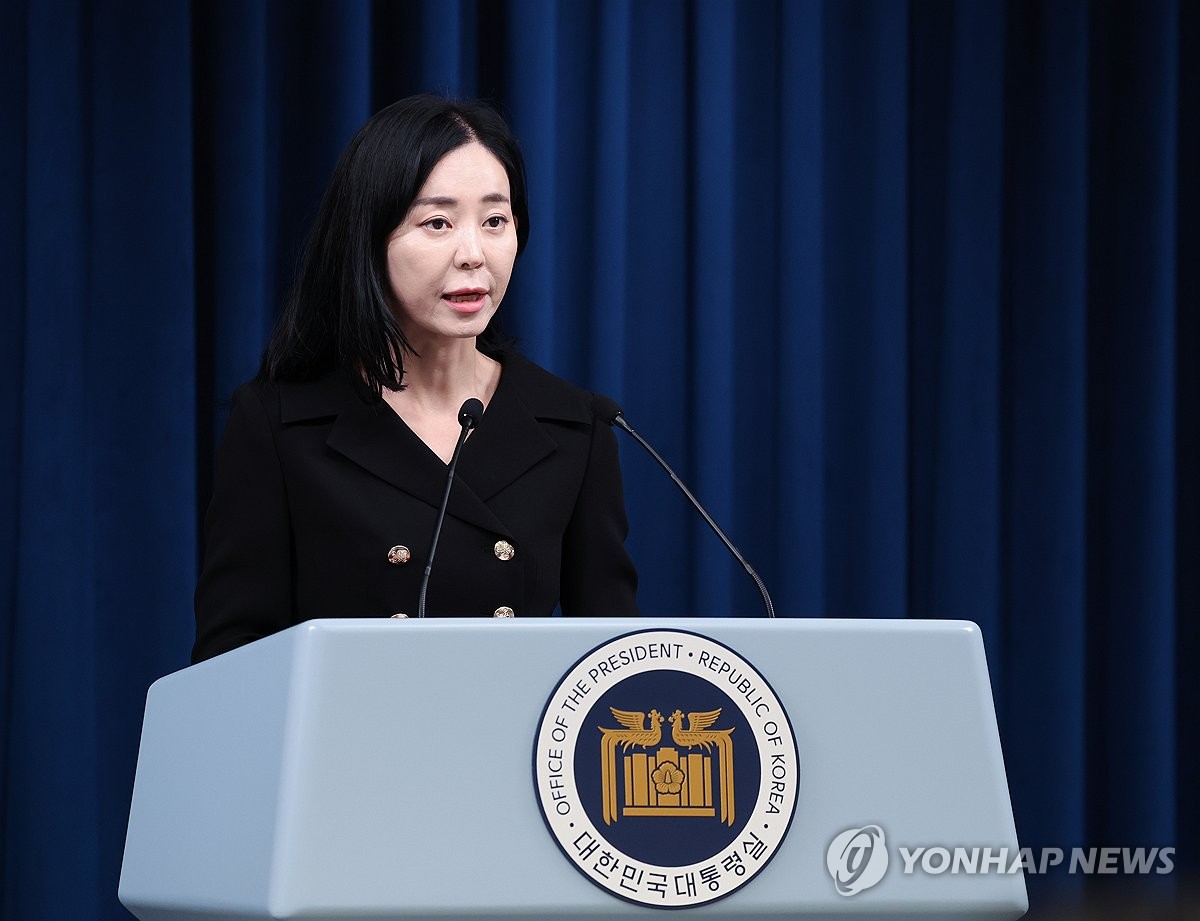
x: 504, y: 551
x: 504, y: 611
x: 399, y: 555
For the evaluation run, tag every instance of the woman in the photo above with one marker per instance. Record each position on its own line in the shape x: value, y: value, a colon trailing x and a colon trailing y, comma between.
x: 334, y: 462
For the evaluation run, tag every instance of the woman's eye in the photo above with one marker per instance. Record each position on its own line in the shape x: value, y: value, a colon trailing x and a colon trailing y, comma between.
x: 437, y: 223
x: 495, y: 221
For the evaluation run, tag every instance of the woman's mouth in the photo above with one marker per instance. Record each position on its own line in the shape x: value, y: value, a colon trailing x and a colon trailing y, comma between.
x: 467, y: 300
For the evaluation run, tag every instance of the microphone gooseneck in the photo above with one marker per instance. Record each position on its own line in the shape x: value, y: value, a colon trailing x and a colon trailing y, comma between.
x: 468, y: 417
x: 611, y: 413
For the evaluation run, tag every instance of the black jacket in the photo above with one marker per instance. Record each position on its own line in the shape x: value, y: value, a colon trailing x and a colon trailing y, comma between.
x: 314, y: 488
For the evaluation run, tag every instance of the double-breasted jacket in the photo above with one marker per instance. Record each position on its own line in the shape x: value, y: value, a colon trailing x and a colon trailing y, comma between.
x: 324, y: 506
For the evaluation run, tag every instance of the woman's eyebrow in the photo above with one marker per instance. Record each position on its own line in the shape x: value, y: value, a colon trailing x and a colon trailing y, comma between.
x: 445, y: 201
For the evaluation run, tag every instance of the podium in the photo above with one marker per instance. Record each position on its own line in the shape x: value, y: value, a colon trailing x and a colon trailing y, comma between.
x: 380, y: 770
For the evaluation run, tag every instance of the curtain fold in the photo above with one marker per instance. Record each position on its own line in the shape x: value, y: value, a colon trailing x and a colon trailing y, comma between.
x: 906, y: 292
x: 1131, y: 373
x: 1186, y: 248
x: 1044, y: 417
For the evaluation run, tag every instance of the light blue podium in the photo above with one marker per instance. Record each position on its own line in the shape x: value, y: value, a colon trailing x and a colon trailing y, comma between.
x: 383, y: 769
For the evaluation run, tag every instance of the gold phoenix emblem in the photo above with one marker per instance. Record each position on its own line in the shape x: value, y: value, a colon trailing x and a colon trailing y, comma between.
x: 666, y: 781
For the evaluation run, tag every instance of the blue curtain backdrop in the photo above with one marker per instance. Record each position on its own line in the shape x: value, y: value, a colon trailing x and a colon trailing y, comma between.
x: 906, y: 291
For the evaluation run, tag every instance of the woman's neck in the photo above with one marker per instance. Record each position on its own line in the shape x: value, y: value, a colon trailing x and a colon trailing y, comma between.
x: 442, y: 375
x: 444, y: 371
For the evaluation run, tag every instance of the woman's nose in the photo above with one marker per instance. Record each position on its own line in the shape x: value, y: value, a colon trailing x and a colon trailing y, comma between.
x: 470, y: 250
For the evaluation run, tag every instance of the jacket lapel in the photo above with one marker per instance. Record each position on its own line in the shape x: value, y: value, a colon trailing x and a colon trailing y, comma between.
x: 377, y: 440
x: 513, y: 438
x: 509, y: 441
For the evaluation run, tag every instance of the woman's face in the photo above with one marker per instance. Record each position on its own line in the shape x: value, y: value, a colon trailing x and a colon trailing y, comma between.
x: 450, y: 259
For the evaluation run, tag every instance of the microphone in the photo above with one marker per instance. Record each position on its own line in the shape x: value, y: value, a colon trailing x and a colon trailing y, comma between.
x: 610, y: 412
x: 468, y: 417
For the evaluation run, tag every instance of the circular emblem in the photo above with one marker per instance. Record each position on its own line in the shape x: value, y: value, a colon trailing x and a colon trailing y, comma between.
x: 666, y: 768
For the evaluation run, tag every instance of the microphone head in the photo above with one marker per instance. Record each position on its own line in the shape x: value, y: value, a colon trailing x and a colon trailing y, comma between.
x: 470, y: 414
x: 606, y: 408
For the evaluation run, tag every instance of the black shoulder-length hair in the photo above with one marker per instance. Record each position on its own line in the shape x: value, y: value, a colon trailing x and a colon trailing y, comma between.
x: 338, y: 314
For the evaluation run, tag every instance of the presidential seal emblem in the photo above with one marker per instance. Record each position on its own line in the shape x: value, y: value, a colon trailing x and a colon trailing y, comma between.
x: 666, y: 768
